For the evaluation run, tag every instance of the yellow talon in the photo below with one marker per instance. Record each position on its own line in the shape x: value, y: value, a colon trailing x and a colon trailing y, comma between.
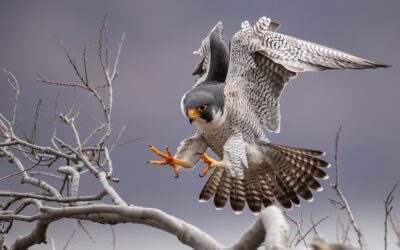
x: 168, y: 160
x: 209, y: 161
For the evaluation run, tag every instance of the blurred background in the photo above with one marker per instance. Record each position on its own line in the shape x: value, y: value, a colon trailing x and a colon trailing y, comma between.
x: 155, y: 71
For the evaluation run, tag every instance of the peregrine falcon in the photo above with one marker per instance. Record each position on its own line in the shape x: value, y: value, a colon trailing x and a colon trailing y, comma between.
x: 236, y: 97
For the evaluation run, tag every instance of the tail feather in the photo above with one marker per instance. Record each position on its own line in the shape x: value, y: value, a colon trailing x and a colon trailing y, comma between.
x: 286, y: 174
x: 267, y: 201
x: 267, y: 195
x: 253, y: 196
x: 223, y: 191
x: 300, y: 187
x: 211, y: 185
x: 285, y: 185
x: 238, y: 195
x: 306, y: 178
x: 282, y: 198
x: 307, y: 159
x: 308, y: 168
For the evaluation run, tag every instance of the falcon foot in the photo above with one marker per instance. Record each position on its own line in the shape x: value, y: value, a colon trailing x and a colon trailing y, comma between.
x: 168, y: 160
x: 210, y: 161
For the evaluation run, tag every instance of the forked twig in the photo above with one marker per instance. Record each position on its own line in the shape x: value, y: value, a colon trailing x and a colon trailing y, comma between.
x: 300, y: 234
x: 313, y: 228
x: 83, y: 228
x: 388, y: 209
x: 12, y: 81
x: 343, y: 201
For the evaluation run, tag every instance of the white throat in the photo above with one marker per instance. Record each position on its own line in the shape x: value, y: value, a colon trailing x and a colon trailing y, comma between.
x: 219, y: 119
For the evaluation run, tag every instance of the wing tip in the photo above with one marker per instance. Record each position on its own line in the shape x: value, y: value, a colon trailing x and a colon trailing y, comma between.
x: 374, y: 65
x: 382, y: 65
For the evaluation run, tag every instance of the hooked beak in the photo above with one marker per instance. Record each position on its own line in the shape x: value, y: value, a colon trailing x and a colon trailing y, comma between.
x: 193, y: 114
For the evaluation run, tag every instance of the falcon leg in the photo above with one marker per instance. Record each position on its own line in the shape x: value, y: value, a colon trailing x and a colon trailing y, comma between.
x: 210, y: 161
x: 168, y: 160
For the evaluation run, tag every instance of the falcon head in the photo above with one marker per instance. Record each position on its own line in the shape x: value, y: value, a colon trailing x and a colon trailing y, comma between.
x: 204, y: 104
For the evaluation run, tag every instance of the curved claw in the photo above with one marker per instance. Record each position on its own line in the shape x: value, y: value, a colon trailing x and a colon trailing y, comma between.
x: 168, y: 159
x: 176, y: 176
x: 211, y: 163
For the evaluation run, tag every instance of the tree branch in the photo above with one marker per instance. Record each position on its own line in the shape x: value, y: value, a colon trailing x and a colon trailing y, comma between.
x: 344, y: 203
x: 269, y: 226
x: 387, y: 202
x: 49, y: 198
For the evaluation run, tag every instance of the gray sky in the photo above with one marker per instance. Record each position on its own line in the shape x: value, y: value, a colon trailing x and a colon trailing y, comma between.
x: 155, y: 71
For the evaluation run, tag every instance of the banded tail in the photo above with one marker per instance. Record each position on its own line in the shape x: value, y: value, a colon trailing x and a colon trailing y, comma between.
x: 288, y: 174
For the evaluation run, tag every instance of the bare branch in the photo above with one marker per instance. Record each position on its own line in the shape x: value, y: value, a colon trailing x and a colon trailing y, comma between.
x: 17, y: 173
x: 299, y: 226
x: 117, y: 138
x: 26, y: 178
x: 313, y: 225
x: 71, y: 123
x: 103, y: 42
x: 114, y: 241
x: 46, y: 150
x: 387, y: 202
x: 360, y: 236
x: 97, y: 129
x: 129, y: 141
x: 37, y: 236
x: 33, y: 173
x: 12, y: 81
x: 36, y: 121
x: 71, y: 61
x: 75, y: 177
x: 109, y: 163
x: 115, y: 72
x: 270, y: 225
x: 54, y: 134
x: 85, y: 66
x: 69, y: 239
x: 83, y: 228
x: 337, y: 156
x: 67, y: 84
x: 109, y: 190
x: 313, y: 228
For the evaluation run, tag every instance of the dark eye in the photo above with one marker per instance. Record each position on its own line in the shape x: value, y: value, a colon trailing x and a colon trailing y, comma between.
x: 202, y: 108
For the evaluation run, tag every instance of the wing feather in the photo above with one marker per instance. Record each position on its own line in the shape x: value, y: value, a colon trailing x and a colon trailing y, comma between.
x: 263, y: 61
x: 215, y: 57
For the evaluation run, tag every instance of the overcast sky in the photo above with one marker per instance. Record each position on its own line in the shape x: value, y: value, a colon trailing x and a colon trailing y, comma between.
x: 155, y: 71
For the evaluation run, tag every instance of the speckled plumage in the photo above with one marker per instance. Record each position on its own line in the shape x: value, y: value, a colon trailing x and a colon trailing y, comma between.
x: 242, y: 87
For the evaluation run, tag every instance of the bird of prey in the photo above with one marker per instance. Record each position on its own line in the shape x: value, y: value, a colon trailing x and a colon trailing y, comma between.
x: 236, y: 97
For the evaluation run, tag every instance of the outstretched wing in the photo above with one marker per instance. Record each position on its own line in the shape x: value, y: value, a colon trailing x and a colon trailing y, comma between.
x: 263, y: 61
x: 215, y: 57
